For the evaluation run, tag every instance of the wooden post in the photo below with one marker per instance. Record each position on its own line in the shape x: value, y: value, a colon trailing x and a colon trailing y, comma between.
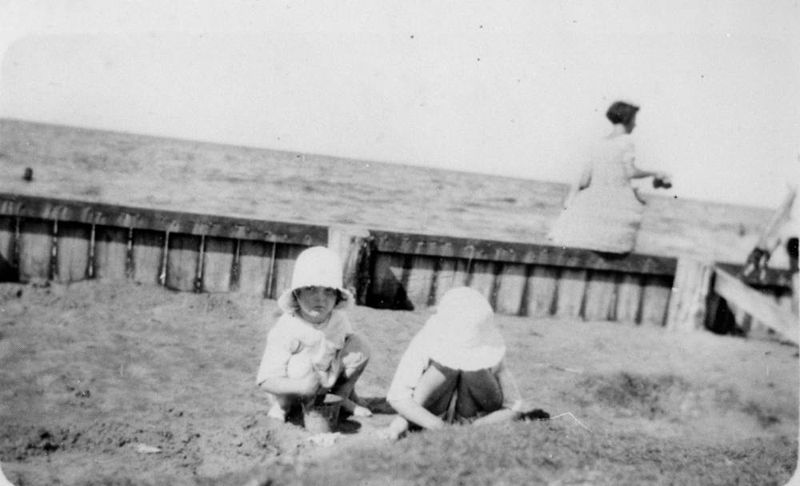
x: 571, y: 287
x: 110, y: 252
x: 600, y: 296
x: 255, y: 266
x: 542, y: 291
x: 452, y: 273
x: 629, y: 297
x: 282, y: 267
x: 148, y: 253
x: 510, y: 290
x: 482, y: 278
x: 419, y: 283
x: 72, y: 254
x: 9, y: 269
x: 35, y: 250
x: 349, y: 242
x: 689, y: 295
x: 217, y: 264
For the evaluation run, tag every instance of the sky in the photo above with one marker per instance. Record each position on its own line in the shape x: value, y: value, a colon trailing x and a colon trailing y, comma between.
x: 515, y: 88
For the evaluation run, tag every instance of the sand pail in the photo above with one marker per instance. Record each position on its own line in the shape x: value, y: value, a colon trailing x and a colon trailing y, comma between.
x: 321, y: 415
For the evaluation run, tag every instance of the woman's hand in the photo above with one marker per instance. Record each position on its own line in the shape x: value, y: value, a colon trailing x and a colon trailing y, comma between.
x: 662, y: 180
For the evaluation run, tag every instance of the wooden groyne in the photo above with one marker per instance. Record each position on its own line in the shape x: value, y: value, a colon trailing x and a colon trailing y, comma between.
x: 46, y: 239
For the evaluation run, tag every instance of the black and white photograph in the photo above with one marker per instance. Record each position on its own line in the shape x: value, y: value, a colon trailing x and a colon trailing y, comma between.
x: 251, y: 243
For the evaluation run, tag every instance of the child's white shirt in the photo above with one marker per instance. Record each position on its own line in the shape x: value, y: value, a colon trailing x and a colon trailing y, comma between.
x: 296, y: 347
x: 417, y: 359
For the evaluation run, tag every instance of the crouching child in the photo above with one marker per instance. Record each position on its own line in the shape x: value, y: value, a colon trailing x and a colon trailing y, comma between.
x: 312, y: 349
x: 453, y: 370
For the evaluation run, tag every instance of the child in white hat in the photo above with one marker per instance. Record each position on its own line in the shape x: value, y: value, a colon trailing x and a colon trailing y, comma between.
x: 453, y: 369
x: 312, y: 349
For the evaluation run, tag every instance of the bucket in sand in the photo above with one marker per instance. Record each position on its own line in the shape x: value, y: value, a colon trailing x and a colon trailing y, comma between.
x: 321, y: 414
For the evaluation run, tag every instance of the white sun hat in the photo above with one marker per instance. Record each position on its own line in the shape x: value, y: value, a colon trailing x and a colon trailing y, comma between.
x: 317, y: 266
x: 462, y: 331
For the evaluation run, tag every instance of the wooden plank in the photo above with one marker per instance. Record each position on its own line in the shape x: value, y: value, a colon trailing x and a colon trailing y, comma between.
x: 527, y: 253
x: 511, y: 290
x: 571, y: 289
x: 283, y: 266
x: 147, y: 256
x: 72, y: 254
x: 182, y: 262
x: 110, y: 253
x: 9, y: 269
x: 35, y: 207
x: 450, y: 273
x: 254, y: 265
x: 689, y: 295
x: 419, y: 282
x: 629, y: 298
x: 655, y: 300
x: 218, y: 256
x: 35, y: 250
x: 482, y: 278
x: 601, y: 297
x: 542, y: 291
x: 760, y: 306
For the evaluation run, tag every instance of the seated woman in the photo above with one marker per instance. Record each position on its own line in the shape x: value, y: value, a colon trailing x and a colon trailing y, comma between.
x: 603, y: 211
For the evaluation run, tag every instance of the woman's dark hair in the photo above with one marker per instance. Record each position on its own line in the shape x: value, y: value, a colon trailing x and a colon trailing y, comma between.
x: 621, y: 112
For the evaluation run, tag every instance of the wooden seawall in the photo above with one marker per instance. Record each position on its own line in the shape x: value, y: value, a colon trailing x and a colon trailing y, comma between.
x: 45, y: 239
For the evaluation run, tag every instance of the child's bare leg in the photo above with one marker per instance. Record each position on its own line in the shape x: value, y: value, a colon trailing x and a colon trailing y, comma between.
x: 355, y: 356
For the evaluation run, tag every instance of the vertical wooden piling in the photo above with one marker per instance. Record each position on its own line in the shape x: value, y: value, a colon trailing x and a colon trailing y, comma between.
x: 218, y: 257
x: 182, y: 271
x: 347, y: 241
x: 72, y: 254
x: 482, y: 278
x: 255, y: 265
x: 689, y: 295
x: 655, y: 299
x: 283, y: 266
x: 110, y: 253
x: 542, y: 291
x: 35, y: 250
x: 452, y: 273
x: 9, y: 269
x: 571, y: 288
x: 510, y: 290
x: 601, y: 297
x: 420, y: 280
x: 629, y: 298
x: 147, y: 255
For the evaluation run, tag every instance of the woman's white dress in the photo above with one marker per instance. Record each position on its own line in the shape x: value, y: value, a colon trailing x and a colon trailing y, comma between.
x: 606, y: 215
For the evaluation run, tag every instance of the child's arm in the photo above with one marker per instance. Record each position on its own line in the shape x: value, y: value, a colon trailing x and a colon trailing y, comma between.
x: 401, y: 392
x: 416, y: 413
x: 281, y: 385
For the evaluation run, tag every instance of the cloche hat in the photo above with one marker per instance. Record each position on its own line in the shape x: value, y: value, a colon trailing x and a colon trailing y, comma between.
x: 317, y: 266
x: 463, y: 332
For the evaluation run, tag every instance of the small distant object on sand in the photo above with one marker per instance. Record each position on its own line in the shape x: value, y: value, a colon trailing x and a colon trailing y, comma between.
x: 28, y: 176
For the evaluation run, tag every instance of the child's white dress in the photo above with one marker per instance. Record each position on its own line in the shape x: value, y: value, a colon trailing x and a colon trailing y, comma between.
x: 296, y: 348
x: 606, y: 215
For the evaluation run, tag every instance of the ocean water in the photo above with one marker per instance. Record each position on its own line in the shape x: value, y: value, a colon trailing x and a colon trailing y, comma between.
x: 198, y: 177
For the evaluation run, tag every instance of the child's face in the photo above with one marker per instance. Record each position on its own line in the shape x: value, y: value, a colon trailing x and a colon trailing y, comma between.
x: 316, y: 303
